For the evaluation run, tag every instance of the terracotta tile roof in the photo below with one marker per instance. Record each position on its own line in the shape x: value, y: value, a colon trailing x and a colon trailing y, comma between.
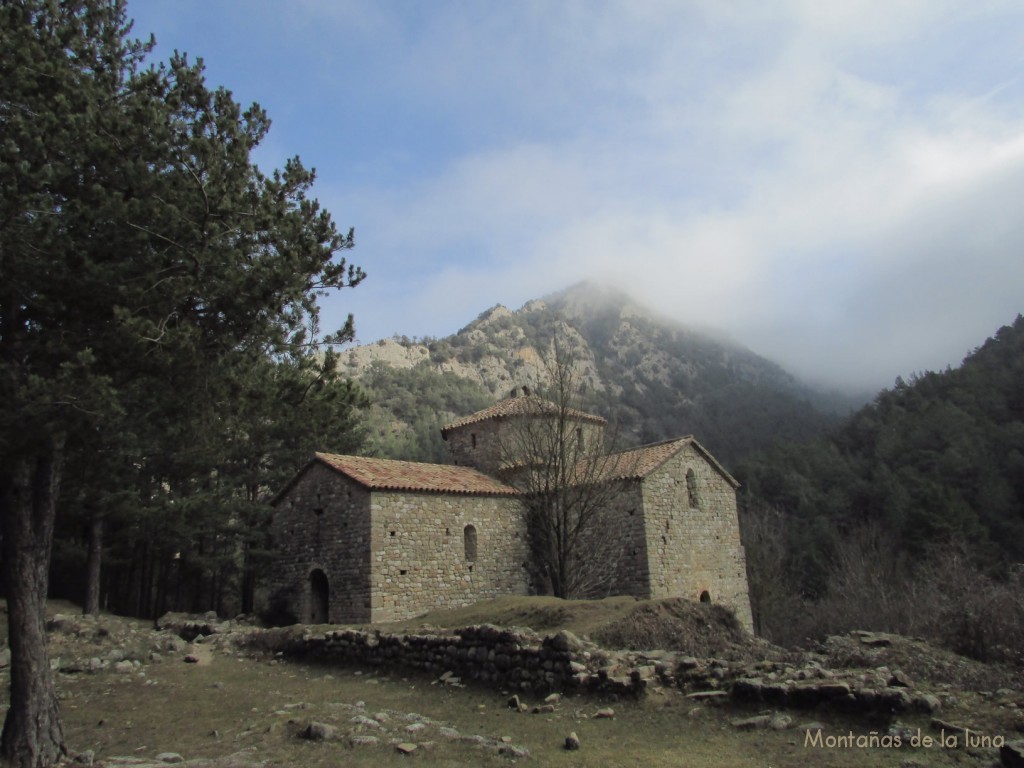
x: 638, y: 463
x: 388, y: 474
x: 523, y: 405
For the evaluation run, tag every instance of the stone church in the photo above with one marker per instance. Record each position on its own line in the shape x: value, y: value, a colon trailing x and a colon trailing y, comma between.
x: 365, y: 540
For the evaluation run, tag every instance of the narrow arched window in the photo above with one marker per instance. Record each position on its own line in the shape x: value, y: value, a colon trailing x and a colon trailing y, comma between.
x: 469, y: 542
x: 691, y: 488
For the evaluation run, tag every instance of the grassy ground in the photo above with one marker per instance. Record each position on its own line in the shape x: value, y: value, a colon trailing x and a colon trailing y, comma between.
x: 255, y: 709
x: 228, y: 705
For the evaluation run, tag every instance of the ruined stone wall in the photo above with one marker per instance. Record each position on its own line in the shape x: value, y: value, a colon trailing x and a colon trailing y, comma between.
x: 323, y: 523
x: 512, y: 659
x: 693, y: 535
x: 420, y: 559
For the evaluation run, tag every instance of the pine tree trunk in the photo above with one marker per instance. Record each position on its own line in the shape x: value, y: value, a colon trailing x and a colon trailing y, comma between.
x: 32, y: 733
x: 94, y: 559
x: 248, y: 580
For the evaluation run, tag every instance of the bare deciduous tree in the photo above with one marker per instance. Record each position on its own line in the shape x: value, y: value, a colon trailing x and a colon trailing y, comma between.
x: 554, y: 453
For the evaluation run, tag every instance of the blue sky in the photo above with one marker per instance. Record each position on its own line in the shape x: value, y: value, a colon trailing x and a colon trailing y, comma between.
x: 837, y: 185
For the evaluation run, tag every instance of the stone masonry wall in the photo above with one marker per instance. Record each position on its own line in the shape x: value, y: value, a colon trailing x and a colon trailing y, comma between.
x: 476, y: 445
x: 616, y: 545
x: 420, y: 559
x: 484, y: 445
x: 323, y: 523
x: 694, y: 544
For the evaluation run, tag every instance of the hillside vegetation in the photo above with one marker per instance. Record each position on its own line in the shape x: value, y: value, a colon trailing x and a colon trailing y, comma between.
x: 910, y: 515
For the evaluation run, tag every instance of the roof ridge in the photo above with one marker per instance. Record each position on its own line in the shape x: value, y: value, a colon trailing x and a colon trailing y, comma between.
x: 520, y: 405
x: 400, y: 475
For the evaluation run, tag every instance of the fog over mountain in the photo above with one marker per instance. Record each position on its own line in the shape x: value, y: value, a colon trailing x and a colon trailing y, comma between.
x: 652, y: 377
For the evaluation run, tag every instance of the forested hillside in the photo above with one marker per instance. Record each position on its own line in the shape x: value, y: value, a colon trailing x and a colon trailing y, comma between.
x: 651, y: 377
x: 929, y: 475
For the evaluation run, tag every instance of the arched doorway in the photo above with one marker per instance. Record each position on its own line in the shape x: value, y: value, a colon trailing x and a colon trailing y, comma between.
x: 319, y: 598
x: 705, y: 596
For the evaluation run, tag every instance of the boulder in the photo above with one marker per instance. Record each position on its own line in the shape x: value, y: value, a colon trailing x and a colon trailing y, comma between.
x: 1011, y: 754
x: 566, y: 641
x: 319, y: 732
x: 899, y: 679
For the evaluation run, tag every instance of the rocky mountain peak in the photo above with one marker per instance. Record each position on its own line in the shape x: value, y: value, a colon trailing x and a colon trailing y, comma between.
x: 655, y: 377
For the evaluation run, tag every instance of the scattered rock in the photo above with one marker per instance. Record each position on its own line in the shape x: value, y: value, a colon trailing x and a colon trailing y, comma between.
x: 319, y: 732
x: 752, y: 723
x: 513, y: 702
x: 572, y: 741
x: 812, y: 726
x: 364, y: 721
x: 363, y: 740
x: 875, y: 640
x: 1011, y: 754
x: 191, y: 659
x: 553, y: 698
x: 514, y: 751
x: 406, y: 747
x: 566, y: 641
x: 942, y: 725
x: 603, y: 714
x: 900, y: 680
x: 170, y: 757
x: 705, y: 695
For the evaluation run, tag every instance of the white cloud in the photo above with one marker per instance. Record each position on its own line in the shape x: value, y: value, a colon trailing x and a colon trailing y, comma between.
x: 813, y: 179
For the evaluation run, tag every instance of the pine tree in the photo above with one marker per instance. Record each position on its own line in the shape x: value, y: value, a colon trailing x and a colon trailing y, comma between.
x: 143, y: 258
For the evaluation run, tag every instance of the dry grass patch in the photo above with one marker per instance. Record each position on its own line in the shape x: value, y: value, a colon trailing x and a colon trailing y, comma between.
x: 259, y: 708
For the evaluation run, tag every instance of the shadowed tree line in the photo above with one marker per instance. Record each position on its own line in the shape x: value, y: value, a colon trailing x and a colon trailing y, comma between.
x: 909, y: 517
